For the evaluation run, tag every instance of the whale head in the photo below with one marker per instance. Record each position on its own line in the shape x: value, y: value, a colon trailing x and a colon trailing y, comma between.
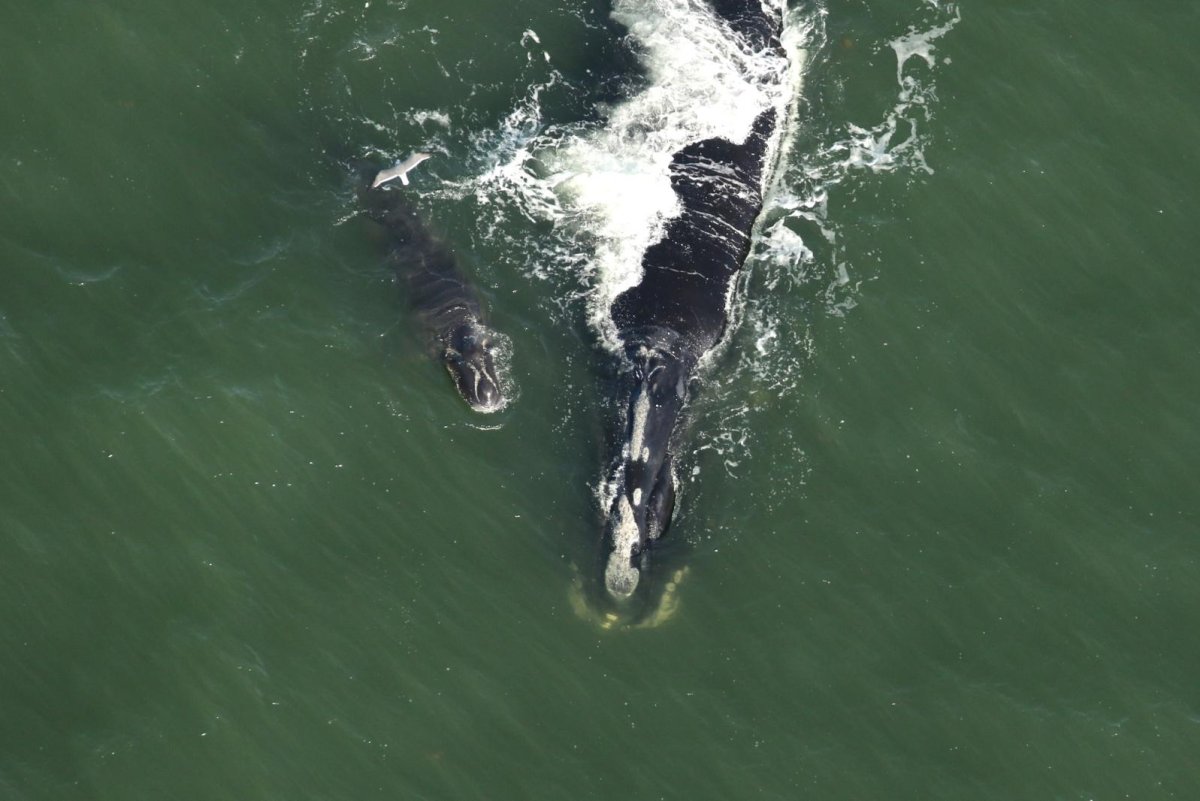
x: 469, y: 354
x: 644, y: 480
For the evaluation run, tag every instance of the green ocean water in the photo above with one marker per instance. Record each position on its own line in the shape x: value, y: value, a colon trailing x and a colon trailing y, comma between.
x: 942, y: 545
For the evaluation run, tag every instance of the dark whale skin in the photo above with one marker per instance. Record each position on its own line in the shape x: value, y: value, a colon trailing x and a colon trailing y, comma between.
x: 687, y: 275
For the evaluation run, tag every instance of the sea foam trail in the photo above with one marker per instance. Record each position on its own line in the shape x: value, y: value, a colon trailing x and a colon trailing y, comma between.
x: 799, y: 248
x: 800, y: 258
x: 613, y: 181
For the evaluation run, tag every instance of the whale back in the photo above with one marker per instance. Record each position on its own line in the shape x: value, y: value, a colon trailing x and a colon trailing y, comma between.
x: 426, y: 266
x: 688, y: 274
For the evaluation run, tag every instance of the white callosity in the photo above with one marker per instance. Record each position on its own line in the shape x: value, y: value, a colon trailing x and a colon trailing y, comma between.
x: 620, y: 576
x: 641, y: 410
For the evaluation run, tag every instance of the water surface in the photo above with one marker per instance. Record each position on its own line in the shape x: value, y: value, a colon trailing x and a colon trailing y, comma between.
x: 941, y: 536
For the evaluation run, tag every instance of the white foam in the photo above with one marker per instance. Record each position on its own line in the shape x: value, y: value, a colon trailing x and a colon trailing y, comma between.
x: 920, y: 42
x: 614, y: 181
x: 423, y: 116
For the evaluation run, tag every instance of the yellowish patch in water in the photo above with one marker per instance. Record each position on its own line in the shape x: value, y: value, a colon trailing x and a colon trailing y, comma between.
x: 668, y: 605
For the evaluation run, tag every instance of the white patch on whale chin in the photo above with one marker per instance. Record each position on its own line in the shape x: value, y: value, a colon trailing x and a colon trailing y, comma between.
x: 620, y: 576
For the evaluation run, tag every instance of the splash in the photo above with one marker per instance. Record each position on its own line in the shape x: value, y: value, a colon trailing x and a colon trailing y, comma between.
x: 612, y: 181
x: 798, y: 249
x: 798, y: 256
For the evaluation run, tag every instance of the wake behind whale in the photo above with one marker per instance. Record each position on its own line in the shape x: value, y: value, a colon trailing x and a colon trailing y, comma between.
x: 707, y: 76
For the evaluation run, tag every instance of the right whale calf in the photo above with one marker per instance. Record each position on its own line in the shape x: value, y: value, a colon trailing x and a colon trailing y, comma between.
x: 445, y: 302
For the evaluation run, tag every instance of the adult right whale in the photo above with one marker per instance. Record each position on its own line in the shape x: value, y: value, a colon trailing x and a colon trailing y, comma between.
x: 680, y: 309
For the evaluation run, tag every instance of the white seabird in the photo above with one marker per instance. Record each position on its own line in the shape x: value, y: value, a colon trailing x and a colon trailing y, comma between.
x: 400, y: 171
